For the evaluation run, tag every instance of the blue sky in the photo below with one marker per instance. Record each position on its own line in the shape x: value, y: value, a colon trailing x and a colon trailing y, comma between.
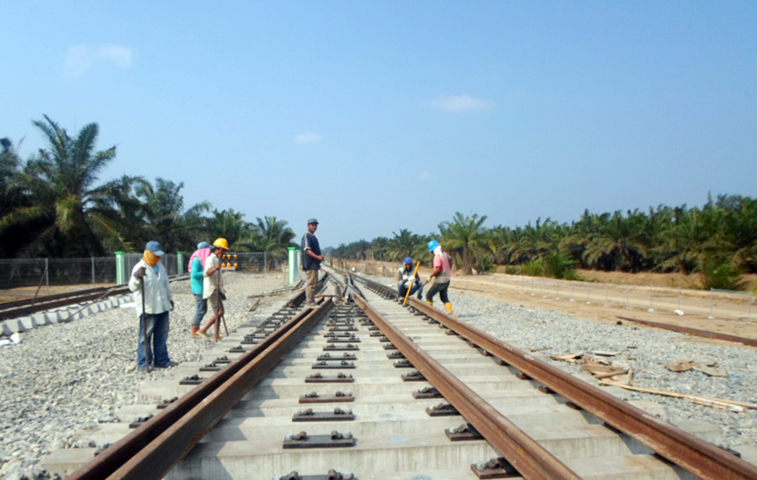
x: 378, y: 116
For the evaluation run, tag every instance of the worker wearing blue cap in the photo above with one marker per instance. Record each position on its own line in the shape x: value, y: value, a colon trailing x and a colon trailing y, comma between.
x: 153, y: 300
x: 407, y: 277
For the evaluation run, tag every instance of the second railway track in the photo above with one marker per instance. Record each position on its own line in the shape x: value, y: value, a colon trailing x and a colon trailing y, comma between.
x: 384, y: 391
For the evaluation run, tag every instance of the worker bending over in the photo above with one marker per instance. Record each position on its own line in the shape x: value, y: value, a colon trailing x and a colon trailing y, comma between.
x: 440, y: 276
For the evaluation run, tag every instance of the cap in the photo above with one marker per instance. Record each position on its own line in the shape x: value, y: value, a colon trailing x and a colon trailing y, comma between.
x: 409, y: 260
x: 203, y: 245
x: 312, y: 221
x: 432, y: 245
x: 155, y: 248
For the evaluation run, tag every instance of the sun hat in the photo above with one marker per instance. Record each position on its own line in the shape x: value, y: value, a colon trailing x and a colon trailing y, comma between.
x: 155, y: 248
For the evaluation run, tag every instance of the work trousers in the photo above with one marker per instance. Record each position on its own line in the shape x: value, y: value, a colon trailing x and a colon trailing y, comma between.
x: 441, y: 289
x: 156, y: 327
x: 311, y: 279
x: 417, y: 287
x: 201, y: 309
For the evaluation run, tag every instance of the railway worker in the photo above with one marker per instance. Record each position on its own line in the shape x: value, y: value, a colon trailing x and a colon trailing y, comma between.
x: 311, y: 262
x: 406, y: 276
x: 213, y: 288
x: 154, y: 299
x: 440, y: 276
x: 197, y: 275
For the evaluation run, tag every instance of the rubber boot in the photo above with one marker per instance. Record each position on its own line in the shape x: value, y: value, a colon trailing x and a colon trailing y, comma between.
x: 430, y: 302
x: 448, y: 306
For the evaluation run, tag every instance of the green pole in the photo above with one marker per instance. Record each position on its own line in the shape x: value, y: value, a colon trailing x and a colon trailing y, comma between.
x: 180, y: 262
x: 292, y: 264
x: 120, y: 268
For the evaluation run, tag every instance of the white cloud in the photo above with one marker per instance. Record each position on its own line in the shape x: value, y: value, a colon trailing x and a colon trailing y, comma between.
x: 308, y: 137
x: 81, y: 58
x: 121, y: 57
x: 78, y: 60
x: 459, y: 103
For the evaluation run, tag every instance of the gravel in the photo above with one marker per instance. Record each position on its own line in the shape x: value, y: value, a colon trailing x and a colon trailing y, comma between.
x: 645, y: 350
x: 65, y: 377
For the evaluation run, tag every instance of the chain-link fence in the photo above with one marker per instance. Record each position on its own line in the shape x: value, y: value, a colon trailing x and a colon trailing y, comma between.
x: 56, y: 271
x: 32, y: 272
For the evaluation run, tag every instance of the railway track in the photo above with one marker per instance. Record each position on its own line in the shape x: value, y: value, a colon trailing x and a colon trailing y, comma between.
x: 365, y: 388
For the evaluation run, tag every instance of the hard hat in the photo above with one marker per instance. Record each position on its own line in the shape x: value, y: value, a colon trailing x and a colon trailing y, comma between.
x: 408, y: 260
x: 221, y: 243
x: 432, y: 245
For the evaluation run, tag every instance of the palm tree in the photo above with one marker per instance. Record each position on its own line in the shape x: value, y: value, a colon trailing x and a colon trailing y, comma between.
x: 621, y: 244
x: 59, y: 180
x: 165, y: 218
x: 466, y: 237
x: 403, y: 244
x: 274, y: 237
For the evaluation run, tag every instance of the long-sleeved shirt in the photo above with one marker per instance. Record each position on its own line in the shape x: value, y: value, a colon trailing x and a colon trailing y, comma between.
x: 158, y: 294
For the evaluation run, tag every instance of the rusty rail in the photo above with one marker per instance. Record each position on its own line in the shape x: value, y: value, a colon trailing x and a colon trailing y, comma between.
x: 529, y: 458
x: 695, y: 331
x: 152, y: 449
x: 697, y: 456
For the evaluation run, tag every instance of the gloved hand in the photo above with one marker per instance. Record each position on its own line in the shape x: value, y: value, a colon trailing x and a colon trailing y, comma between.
x: 140, y: 273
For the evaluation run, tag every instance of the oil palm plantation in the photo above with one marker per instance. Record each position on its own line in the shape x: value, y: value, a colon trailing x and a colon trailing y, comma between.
x: 62, y: 213
x: 466, y: 237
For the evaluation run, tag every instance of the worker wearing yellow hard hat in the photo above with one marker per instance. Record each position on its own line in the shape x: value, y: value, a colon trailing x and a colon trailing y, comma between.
x: 213, y: 288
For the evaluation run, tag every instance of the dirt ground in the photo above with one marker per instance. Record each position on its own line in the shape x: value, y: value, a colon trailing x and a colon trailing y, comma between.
x: 21, y: 293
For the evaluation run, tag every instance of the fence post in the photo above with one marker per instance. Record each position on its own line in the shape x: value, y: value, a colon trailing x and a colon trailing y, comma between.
x: 47, y: 275
x: 292, y: 264
x: 265, y: 262
x: 93, y: 269
x: 120, y: 268
x: 180, y: 263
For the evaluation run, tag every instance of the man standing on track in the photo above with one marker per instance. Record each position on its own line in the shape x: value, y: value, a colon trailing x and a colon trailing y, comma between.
x: 154, y: 299
x: 311, y: 262
x: 197, y: 275
x: 440, y: 276
x: 213, y: 289
x: 406, y: 276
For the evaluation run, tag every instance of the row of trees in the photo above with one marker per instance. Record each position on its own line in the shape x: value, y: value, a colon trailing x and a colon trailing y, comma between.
x: 718, y: 239
x: 52, y: 205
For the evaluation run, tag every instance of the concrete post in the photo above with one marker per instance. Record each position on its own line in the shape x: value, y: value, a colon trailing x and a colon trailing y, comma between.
x: 293, y: 264
x: 120, y: 268
x: 180, y: 263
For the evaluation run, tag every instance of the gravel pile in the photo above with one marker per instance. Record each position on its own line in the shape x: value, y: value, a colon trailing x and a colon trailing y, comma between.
x: 65, y: 377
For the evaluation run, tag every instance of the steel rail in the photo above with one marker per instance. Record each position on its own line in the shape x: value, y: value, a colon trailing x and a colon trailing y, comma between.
x: 701, y: 458
x: 529, y: 458
x: 751, y: 342
x: 19, y: 308
x: 151, y: 450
